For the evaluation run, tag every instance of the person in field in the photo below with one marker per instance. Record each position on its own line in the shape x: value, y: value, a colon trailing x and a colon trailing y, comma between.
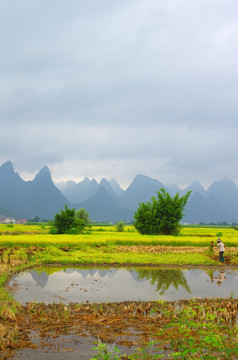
x: 210, y: 249
x: 221, y: 247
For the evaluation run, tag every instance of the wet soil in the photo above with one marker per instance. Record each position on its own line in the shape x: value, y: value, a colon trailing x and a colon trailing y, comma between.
x: 72, y: 329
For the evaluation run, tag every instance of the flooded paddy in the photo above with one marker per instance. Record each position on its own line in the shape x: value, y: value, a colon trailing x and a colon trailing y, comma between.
x: 99, y: 285
x: 74, y: 307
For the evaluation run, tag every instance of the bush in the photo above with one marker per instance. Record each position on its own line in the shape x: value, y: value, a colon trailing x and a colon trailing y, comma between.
x: 161, y: 215
x: 70, y: 222
x: 120, y: 226
x: 53, y: 230
x: 65, y: 221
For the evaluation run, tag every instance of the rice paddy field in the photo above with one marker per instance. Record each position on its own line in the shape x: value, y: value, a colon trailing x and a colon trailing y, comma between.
x: 105, y: 245
x: 212, y: 334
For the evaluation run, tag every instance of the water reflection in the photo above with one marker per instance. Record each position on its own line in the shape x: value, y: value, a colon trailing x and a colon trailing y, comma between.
x: 221, y: 278
x: 213, y: 276
x: 40, y: 278
x: 163, y: 279
x: 54, y: 284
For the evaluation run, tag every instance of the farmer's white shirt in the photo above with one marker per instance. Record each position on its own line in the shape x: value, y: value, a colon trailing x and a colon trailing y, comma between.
x: 221, y: 246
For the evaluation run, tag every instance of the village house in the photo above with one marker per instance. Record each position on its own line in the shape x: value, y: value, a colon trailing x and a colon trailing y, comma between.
x: 9, y: 221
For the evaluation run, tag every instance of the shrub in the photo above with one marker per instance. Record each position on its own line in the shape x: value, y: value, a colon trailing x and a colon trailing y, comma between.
x: 161, y: 215
x: 120, y: 226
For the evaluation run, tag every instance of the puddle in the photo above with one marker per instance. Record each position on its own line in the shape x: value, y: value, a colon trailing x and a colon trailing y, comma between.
x: 82, y: 285
x: 64, y: 347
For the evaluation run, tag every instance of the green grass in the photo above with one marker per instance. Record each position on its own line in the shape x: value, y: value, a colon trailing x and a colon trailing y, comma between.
x: 90, y: 255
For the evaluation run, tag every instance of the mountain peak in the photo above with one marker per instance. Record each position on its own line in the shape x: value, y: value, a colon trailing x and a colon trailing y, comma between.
x: 44, y: 173
x: 7, y: 167
x: 86, y: 180
x: 105, y: 183
x: 8, y: 175
x: 195, y: 186
x: 228, y: 181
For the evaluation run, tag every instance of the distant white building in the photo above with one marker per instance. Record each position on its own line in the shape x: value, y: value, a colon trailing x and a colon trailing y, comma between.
x: 9, y: 221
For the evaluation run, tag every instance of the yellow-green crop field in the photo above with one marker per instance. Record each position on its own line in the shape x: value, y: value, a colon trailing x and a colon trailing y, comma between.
x: 104, y: 245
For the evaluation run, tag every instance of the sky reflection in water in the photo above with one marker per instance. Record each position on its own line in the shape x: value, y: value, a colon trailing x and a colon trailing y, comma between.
x: 54, y: 285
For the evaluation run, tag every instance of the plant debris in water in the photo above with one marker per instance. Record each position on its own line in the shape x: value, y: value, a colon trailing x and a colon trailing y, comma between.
x: 129, y: 324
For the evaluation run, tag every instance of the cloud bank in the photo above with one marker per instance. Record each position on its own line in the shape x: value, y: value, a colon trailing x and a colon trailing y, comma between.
x: 117, y: 88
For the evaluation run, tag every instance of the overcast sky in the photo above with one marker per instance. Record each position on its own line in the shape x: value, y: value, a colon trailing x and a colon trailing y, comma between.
x: 116, y: 88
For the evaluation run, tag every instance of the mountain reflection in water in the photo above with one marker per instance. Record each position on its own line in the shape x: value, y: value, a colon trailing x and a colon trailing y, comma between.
x: 55, y: 284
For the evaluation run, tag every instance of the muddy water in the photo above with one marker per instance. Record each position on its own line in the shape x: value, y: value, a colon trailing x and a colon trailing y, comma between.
x: 54, y: 285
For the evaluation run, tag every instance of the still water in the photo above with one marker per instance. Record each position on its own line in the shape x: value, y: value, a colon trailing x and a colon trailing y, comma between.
x: 54, y: 285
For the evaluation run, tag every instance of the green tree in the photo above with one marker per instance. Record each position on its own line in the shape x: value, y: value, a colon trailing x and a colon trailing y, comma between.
x: 161, y: 215
x: 64, y: 222
x: 120, y: 226
x: 82, y: 219
x: 35, y: 219
x: 83, y: 215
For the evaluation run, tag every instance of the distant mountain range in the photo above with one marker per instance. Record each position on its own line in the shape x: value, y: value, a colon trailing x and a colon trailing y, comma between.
x: 107, y: 201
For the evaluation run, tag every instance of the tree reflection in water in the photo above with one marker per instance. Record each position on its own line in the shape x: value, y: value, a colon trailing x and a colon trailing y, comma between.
x: 164, y: 278
x: 210, y: 273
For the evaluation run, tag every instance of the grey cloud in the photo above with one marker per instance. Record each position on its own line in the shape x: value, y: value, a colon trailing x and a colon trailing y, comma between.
x: 120, y: 87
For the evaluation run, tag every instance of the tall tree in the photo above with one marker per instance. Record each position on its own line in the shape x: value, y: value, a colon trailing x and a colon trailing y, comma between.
x: 161, y: 215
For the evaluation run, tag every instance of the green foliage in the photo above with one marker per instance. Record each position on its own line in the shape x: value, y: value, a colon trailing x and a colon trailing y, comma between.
x: 70, y: 221
x: 204, y: 339
x: 82, y: 220
x: 82, y: 214
x: 106, y: 353
x: 36, y: 219
x: 53, y: 230
x: 161, y: 215
x: 64, y: 222
x: 120, y: 226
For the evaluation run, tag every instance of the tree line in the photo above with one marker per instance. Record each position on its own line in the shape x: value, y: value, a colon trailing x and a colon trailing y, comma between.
x: 161, y: 215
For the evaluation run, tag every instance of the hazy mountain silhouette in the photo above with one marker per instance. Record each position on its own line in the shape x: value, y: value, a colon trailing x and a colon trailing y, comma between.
x: 107, y: 202
x: 82, y: 191
x: 141, y: 189
x: 5, y: 212
x: 173, y: 189
x: 195, y: 187
x: 106, y: 184
x: 116, y: 187
x: 27, y: 199
x: 226, y: 194
x: 102, y: 208
x: 202, y: 209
